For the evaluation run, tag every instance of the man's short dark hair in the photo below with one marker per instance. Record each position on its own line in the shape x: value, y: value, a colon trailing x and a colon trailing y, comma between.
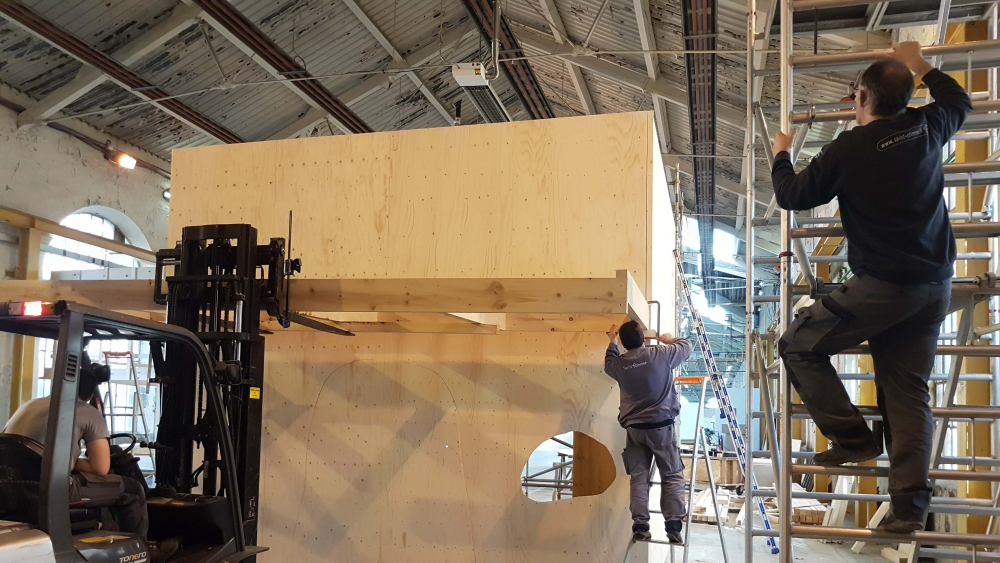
x: 92, y: 375
x: 631, y: 335
x: 890, y: 85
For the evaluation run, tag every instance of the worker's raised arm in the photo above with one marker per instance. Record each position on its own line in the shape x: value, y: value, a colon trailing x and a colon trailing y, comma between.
x: 951, y: 103
x: 673, y: 352
x: 612, y: 352
x: 813, y: 186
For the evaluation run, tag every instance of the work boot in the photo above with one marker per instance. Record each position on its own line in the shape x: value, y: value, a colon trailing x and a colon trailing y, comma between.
x: 837, y: 455
x: 641, y: 533
x: 891, y: 524
x: 162, y: 551
x: 674, y: 531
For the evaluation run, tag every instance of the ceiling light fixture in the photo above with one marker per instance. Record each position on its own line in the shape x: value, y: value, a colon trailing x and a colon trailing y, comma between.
x: 166, y: 195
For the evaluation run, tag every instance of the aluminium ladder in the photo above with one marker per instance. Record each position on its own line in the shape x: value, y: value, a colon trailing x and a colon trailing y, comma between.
x: 725, y: 404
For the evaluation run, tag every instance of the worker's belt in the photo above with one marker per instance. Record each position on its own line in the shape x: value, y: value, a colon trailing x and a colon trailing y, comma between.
x: 651, y: 425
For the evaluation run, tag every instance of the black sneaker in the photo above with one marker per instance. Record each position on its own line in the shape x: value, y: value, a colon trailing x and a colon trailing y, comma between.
x: 891, y: 524
x: 675, y: 537
x: 837, y: 455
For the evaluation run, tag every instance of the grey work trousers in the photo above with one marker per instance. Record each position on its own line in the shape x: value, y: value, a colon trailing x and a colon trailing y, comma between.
x: 122, y: 496
x: 901, y: 324
x: 642, y: 446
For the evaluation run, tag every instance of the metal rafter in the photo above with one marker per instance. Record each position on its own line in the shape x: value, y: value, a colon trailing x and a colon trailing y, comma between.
x: 575, y: 74
x: 644, y: 20
x: 622, y: 75
x: 762, y: 21
x: 90, y: 77
x: 34, y: 23
x: 518, y: 72
x: 252, y: 40
x: 396, y: 56
x: 376, y: 82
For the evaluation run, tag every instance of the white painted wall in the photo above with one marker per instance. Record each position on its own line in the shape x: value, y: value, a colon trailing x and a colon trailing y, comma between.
x: 50, y: 174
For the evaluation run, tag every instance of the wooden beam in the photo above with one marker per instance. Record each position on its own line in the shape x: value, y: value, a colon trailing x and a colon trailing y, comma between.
x: 601, y: 296
x: 23, y: 365
x: 526, y: 322
x: 25, y: 221
x: 427, y: 323
x: 496, y: 319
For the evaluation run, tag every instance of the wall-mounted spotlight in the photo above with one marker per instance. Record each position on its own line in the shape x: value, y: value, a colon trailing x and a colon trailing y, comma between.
x: 121, y: 159
x: 166, y: 195
x: 118, y: 157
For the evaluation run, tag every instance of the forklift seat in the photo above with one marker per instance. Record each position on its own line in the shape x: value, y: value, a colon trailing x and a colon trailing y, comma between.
x: 20, y: 475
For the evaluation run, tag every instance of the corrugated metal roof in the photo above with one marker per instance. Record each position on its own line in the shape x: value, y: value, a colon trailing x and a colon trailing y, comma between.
x: 332, y: 43
x: 185, y: 64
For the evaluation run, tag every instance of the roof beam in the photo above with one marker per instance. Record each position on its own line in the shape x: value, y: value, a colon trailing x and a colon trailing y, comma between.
x: 387, y: 45
x: 35, y: 24
x: 645, y: 22
x: 89, y: 77
x: 612, y: 71
x: 762, y: 34
x: 373, y: 83
x: 575, y: 74
x: 518, y: 72
x: 721, y: 182
x: 250, y: 39
x: 17, y: 100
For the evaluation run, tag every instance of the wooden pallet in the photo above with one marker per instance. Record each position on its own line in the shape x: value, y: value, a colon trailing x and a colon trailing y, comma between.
x: 703, y: 511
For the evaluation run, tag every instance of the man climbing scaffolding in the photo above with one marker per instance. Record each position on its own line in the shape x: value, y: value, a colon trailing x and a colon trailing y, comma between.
x: 648, y: 407
x: 887, y: 176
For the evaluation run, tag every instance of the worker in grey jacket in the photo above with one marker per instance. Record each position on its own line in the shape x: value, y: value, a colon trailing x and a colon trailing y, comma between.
x: 649, y: 405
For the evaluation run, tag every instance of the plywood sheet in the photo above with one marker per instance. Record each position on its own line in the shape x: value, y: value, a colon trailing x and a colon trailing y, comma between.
x: 553, y: 198
x: 410, y: 447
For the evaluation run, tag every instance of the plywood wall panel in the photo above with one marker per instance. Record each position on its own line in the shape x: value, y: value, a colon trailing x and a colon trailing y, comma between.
x: 409, y: 448
x: 559, y: 198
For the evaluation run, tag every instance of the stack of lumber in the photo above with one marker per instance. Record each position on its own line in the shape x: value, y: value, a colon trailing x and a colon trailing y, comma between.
x: 804, y: 511
x: 726, y: 470
x: 703, y: 511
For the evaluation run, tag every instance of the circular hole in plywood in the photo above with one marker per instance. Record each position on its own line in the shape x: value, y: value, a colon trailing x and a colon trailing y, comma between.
x: 565, y: 466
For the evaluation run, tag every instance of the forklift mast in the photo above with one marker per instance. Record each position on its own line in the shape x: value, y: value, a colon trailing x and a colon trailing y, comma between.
x: 221, y: 281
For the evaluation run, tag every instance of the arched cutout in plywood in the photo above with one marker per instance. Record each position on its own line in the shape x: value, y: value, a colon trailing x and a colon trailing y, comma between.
x: 566, y: 466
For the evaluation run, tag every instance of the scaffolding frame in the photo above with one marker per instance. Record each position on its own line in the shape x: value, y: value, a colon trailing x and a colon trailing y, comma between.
x: 778, y: 421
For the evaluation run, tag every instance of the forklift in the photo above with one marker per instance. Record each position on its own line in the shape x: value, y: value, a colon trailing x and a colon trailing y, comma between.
x: 208, y: 359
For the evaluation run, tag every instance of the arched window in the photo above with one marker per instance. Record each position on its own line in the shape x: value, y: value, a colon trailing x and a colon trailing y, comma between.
x: 64, y: 258
x: 63, y: 254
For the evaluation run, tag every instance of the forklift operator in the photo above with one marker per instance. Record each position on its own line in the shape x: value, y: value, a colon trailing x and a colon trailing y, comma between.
x: 90, y: 483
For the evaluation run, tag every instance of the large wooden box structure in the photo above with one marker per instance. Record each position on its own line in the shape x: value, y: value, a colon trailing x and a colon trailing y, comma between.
x: 409, y: 447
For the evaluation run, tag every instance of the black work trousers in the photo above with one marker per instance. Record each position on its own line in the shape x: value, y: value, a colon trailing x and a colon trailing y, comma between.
x: 122, y: 496
x: 901, y: 324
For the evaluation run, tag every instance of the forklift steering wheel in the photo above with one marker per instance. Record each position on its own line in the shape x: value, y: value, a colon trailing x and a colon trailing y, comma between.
x: 125, y: 451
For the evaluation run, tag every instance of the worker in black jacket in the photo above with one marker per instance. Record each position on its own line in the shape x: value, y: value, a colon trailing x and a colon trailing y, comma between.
x: 886, y: 174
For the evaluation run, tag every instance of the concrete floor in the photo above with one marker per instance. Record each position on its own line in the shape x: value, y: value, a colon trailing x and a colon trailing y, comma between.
x: 706, y: 548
